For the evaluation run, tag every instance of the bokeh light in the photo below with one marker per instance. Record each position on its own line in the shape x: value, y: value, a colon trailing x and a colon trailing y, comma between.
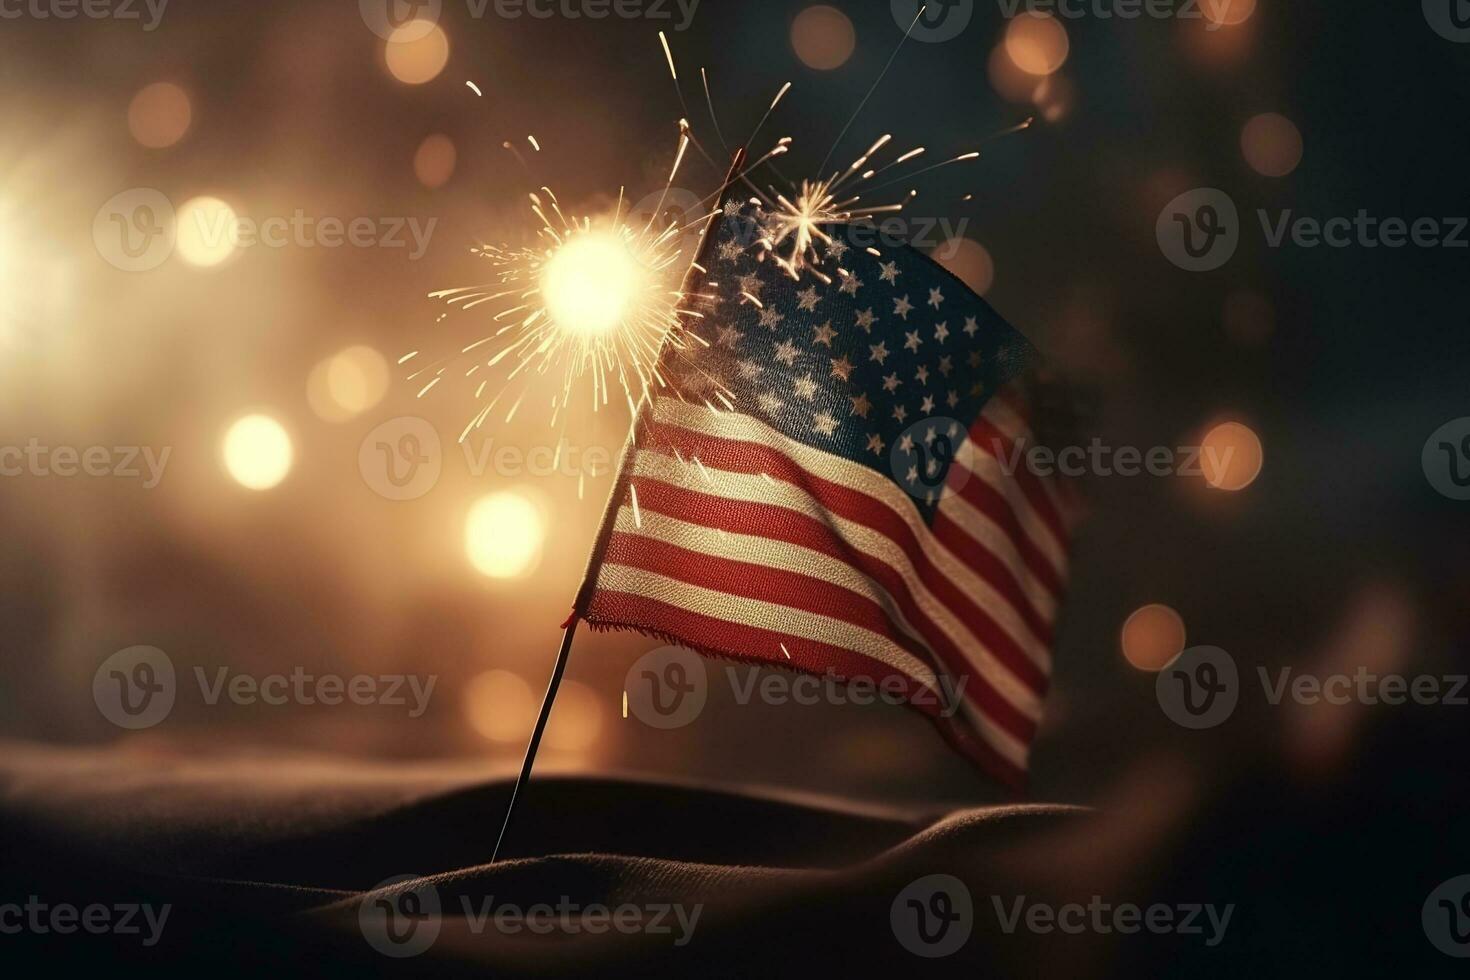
x: 968, y: 260
x: 433, y: 162
x: 207, y: 231
x: 159, y: 115
x: 503, y: 535
x: 1037, y: 43
x: 347, y: 384
x: 1227, y: 13
x: 1013, y: 84
x: 257, y: 452
x: 1248, y: 317
x: 1272, y: 144
x: 500, y: 706
x: 1231, y: 456
x: 576, y: 721
x: 590, y: 282
x: 823, y: 37
x: 415, y: 55
x: 1152, y: 636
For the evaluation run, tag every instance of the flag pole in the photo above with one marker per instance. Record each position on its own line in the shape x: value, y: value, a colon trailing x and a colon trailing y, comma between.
x: 584, y: 593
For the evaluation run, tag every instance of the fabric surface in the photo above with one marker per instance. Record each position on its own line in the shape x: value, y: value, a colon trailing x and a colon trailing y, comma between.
x: 831, y: 482
x: 267, y: 863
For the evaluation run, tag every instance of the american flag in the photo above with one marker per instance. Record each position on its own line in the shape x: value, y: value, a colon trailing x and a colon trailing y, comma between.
x: 822, y: 488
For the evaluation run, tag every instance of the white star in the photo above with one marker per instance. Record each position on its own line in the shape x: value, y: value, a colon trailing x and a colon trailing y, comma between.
x: 841, y: 367
x: 906, y: 444
x: 751, y: 283
x: 912, y: 475
x: 769, y: 403
x: 732, y: 208
x: 952, y: 399
x: 865, y: 320
x: 771, y: 319
x: 890, y: 272
x: 730, y: 250
x: 729, y: 337
x: 806, y: 387
x: 901, y: 307
x: 875, y: 443
x: 850, y: 284
x: 786, y: 352
x: 823, y: 334
x: 836, y: 248
x: 860, y: 405
x: 945, y: 366
x: 900, y: 413
x: 922, y: 375
x: 941, y: 331
x: 912, y: 340
x: 935, y: 297
x: 749, y: 370
x: 971, y: 326
x: 927, y: 406
x: 807, y: 298
x: 879, y: 351
x: 824, y: 423
x: 891, y: 382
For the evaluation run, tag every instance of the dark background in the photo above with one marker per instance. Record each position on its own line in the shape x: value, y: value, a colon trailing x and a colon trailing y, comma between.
x: 1340, y: 554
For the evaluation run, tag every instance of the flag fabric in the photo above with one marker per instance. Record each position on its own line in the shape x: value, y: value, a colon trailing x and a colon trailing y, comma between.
x: 829, y: 484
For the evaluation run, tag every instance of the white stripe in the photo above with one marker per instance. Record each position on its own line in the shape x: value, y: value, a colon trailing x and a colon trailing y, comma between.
x: 754, y: 489
x: 987, y: 462
x: 769, y: 552
x: 731, y: 425
x: 765, y: 615
x: 783, y: 619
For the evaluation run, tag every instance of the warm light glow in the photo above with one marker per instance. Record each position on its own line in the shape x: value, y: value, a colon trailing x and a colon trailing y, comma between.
x: 822, y: 37
x: 1011, y: 82
x: 1231, y: 456
x: 414, y: 55
x: 207, y: 231
x: 159, y: 115
x: 1152, y: 636
x: 590, y: 282
x: 1037, y: 43
x: 257, y: 452
x: 969, y: 260
x: 503, y: 535
x: 1228, y: 13
x: 1272, y: 144
x: 500, y: 706
x: 577, y: 719
x: 434, y: 162
x: 347, y: 384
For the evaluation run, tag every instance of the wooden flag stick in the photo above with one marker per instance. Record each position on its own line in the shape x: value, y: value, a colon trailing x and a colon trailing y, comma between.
x: 590, y: 579
x: 546, y: 702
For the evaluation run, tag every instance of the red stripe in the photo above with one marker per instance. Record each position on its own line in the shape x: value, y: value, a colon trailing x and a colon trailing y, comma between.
x: 989, y: 501
x: 762, y: 582
x: 990, y: 439
x: 738, y: 641
x: 741, y: 456
x: 782, y: 524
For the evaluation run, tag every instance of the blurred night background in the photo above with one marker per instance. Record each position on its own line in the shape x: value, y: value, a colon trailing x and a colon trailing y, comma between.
x: 271, y: 551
